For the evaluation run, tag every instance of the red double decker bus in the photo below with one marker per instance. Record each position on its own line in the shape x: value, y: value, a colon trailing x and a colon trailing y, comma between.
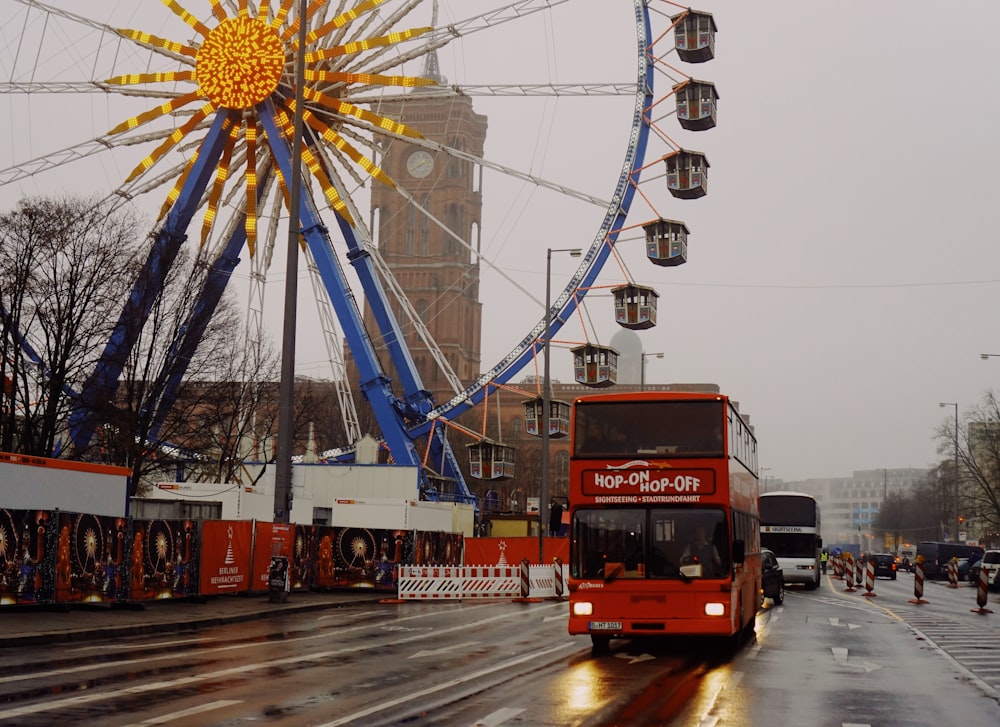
x: 664, y: 523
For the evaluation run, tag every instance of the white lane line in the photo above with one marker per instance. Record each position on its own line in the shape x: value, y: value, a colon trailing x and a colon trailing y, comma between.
x: 171, y: 656
x: 450, y: 684
x: 498, y: 717
x: 320, y: 656
x: 839, y: 654
x: 132, y: 647
x: 191, y: 712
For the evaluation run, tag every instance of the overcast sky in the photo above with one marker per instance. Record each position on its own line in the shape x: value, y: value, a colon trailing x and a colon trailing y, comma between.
x: 843, y: 270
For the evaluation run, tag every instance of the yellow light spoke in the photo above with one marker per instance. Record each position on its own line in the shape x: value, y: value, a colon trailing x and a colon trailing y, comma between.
x: 187, y: 17
x: 342, y: 145
x: 363, y: 45
x: 368, y: 78
x: 348, y: 109
x: 314, y: 167
x: 154, y: 113
x: 174, y: 193
x: 221, y: 175
x: 250, y: 223
x: 279, y: 17
x: 171, y: 141
x: 147, y: 39
x: 293, y: 29
x: 342, y: 19
x: 132, y: 79
x: 217, y: 10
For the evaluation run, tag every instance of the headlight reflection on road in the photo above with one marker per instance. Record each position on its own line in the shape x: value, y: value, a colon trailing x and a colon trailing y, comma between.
x: 581, y: 689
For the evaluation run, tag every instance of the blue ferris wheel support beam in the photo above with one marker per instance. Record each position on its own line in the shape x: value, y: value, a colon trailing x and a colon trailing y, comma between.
x: 374, y: 384
x: 101, y: 385
x: 220, y: 273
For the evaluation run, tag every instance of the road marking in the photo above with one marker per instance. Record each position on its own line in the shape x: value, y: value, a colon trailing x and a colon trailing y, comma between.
x: 839, y: 654
x: 561, y: 617
x: 165, y: 718
x: 90, y: 697
x: 498, y: 717
x: 443, y: 650
x: 450, y: 684
x: 149, y: 645
x: 635, y: 659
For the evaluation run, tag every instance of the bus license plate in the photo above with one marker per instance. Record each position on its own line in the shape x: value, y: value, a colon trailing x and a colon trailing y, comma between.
x: 605, y: 626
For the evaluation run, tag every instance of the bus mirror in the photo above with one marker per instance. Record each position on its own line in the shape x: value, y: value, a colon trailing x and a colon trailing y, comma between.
x: 739, y: 551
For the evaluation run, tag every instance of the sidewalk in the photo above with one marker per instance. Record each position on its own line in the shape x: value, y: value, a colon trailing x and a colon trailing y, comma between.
x: 24, y: 625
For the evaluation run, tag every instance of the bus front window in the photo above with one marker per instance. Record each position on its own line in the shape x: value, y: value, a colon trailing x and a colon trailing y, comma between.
x: 684, y: 543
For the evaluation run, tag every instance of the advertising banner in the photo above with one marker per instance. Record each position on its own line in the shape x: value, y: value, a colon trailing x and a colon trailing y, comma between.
x: 91, y: 558
x: 361, y: 557
x: 270, y: 539
x: 510, y: 551
x: 226, y: 552
x: 26, y: 557
x: 163, y: 562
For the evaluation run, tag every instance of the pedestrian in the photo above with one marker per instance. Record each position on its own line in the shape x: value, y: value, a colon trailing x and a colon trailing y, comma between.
x: 823, y: 557
x: 555, y: 517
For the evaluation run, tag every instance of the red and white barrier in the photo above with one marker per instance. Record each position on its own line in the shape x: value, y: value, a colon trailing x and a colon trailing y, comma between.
x: 849, y: 575
x: 982, y: 591
x: 519, y: 582
x: 918, y: 583
x: 870, y: 580
x: 952, y: 573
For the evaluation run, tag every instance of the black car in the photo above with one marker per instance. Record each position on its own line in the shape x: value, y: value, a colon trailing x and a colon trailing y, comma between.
x: 772, y: 578
x: 885, y: 565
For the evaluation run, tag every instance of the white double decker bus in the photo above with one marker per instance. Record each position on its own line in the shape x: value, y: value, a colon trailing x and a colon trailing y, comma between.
x: 790, y: 528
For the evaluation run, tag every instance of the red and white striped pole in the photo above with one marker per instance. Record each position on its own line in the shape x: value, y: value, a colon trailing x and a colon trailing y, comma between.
x: 918, y: 581
x: 525, y: 578
x: 870, y: 580
x: 953, y: 573
x: 849, y: 573
x: 859, y: 573
x: 982, y: 588
x: 558, y: 572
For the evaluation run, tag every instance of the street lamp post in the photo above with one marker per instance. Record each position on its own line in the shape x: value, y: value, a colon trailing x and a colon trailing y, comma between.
x: 547, y: 396
x: 955, y: 404
x: 642, y: 368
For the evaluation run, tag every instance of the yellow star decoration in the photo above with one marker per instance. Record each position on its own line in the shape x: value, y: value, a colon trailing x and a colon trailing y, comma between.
x: 246, y: 61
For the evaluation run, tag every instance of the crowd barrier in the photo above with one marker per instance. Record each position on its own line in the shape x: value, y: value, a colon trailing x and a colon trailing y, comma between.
x: 474, y: 582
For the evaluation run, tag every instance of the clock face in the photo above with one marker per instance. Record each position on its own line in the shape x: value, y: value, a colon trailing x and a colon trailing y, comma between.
x: 419, y: 164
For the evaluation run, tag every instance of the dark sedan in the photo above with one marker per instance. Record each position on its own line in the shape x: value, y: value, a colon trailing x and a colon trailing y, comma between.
x: 772, y: 578
x: 885, y: 565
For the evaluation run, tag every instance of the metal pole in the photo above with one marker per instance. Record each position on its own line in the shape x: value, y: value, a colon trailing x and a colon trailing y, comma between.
x: 543, y: 507
x: 546, y: 397
x: 286, y: 389
x: 957, y: 523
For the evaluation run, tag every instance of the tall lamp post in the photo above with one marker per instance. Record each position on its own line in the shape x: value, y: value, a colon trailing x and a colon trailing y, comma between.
x: 955, y: 404
x: 642, y: 367
x: 547, y: 397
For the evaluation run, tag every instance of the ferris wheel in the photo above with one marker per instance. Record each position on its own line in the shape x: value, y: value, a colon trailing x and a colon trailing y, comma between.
x: 202, y: 94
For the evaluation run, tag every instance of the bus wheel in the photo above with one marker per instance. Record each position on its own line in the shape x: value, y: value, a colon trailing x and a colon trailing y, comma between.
x: 812, y: 585
x: 779, y: 598
x: 600, y: 644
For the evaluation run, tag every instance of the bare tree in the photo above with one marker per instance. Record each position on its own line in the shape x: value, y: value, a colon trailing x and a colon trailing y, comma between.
x: 979, y: 460
x: 63, y: 264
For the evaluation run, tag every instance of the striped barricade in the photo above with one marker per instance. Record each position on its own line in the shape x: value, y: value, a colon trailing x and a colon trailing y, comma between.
x: 494, y: 581
x: 458, y: 582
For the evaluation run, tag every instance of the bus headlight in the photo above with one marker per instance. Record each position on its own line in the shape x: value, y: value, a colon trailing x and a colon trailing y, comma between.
x: 583, y: 608
x: 715, y: 609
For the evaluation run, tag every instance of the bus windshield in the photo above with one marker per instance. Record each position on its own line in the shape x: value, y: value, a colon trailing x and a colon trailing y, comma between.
x: 679, y: 543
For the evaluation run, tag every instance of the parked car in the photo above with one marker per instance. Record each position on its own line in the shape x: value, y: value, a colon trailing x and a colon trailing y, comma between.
x: 936, y: 556
x: 885, y: 565
x: 772, y: 578
x: 990, y: 561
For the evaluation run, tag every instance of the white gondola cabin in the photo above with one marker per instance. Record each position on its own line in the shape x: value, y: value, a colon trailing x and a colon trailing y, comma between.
x: 559, y: 413
x: 635, y: 306
x: 694, y: 36
x: 697, y: 104
x: 595, y: 366
x: 489, y: 460
x: 666, y: 242
x: 687, y: 174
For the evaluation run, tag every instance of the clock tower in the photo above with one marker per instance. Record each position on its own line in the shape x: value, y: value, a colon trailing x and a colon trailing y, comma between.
x: 426, y: 241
